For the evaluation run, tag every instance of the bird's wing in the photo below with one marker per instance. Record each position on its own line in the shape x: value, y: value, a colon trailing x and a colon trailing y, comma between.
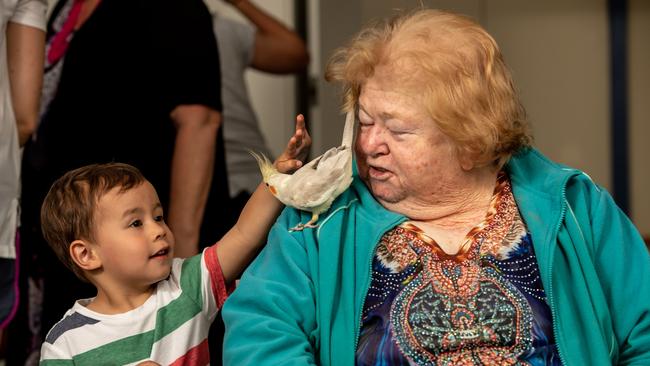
x: 348, y: 130
x: 314, y: 163
x: 310, y: 192
x: 335, y: 159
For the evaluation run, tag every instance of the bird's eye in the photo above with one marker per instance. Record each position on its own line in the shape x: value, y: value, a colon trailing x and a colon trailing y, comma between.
x: 266, y: 184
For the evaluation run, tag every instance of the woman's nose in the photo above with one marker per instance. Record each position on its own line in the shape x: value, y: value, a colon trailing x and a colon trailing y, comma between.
x: 373, y: 142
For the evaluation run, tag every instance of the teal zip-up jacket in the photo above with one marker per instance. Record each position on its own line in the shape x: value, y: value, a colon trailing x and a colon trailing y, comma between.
x: 300, y: 301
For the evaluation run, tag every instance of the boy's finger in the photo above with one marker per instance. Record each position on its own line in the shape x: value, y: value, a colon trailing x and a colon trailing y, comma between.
x: 292, y: 147
x: 300, y: 122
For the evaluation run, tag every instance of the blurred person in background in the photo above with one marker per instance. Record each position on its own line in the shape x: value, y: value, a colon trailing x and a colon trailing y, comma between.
x: 22, y: 38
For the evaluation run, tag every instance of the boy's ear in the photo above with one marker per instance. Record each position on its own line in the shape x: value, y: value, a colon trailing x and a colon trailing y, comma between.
x: 84, y: 255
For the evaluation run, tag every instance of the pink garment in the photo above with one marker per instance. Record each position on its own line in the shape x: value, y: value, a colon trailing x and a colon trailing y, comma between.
x: 61, y: 40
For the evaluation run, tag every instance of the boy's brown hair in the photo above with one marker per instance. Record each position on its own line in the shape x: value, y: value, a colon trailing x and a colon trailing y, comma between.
x: 68, y: 211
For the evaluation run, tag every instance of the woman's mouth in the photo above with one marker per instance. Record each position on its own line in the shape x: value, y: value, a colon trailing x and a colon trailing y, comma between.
x: 378, y: 173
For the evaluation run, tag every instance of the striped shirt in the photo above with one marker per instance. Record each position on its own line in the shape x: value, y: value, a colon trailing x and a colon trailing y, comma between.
x: 170, y: 328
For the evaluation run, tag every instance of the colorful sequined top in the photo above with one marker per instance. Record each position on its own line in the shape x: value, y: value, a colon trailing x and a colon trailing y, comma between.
x: 484, y: 305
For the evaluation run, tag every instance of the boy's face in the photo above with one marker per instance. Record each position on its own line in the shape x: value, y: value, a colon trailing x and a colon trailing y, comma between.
x: 133, y: 241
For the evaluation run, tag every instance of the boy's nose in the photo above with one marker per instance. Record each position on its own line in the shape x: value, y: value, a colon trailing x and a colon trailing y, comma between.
x: 160, y: 231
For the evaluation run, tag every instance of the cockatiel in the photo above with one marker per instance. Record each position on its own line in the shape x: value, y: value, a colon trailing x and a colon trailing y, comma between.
x: 314, y: 186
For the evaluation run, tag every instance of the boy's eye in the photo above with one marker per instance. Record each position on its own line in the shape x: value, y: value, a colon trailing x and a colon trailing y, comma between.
x: 136, y: 223
x: 159, y: 218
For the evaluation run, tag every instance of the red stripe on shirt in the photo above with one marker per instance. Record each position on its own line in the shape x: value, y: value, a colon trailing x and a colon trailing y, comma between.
x: 199, y: 355
x: 217, y: 281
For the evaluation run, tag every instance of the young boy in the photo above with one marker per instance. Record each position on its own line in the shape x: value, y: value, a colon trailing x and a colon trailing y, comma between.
x: 106, y: 224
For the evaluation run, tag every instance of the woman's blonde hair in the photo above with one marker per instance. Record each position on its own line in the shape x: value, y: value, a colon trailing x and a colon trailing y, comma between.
x: 456, y: 70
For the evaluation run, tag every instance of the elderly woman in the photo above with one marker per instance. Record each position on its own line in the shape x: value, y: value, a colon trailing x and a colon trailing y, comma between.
x: 457, y: 243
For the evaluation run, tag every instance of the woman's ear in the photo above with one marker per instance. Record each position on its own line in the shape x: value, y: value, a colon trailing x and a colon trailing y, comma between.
x: 84, y: 255
x: 466, y: 162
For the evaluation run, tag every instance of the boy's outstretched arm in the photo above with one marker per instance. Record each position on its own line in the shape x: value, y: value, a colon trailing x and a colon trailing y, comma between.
x: 241, y: 243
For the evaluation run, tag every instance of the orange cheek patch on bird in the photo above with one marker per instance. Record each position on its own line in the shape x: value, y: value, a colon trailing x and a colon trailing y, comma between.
x: 273, y: 190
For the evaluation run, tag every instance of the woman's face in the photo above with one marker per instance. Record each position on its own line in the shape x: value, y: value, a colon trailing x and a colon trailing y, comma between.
x: 402, y: 155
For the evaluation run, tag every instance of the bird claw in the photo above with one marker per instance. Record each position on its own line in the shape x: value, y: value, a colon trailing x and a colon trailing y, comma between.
x: 301, y: 227
x: 298, y: 227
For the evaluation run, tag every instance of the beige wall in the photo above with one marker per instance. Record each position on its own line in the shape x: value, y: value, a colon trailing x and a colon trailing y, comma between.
x: 559, y: 54
x: 639, y: 112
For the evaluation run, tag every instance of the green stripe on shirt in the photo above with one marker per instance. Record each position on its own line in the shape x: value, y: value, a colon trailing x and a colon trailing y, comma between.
x: 186, y: 306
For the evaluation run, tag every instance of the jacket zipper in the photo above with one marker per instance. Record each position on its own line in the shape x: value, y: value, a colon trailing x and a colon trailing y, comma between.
x: 550, y: 276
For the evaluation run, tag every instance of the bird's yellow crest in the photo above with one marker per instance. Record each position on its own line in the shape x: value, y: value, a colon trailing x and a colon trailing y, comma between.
x: 266, y: 167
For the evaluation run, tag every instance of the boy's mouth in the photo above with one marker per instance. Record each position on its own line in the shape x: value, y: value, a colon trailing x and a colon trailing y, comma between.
x: 161, y: 253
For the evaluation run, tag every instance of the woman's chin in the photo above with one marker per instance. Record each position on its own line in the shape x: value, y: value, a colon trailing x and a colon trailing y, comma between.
x: 386, y: 193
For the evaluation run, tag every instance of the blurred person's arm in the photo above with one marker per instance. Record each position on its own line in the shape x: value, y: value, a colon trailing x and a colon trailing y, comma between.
x: 191, y: 173
x: 187, y: 77
x: 25, y: 54
x: 278, y: 49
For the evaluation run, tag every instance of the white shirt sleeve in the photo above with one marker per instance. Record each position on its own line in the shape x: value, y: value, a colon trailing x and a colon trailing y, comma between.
x: 31, y: 13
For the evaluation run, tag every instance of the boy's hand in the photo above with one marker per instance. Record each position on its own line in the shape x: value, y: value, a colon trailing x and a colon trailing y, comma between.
x: 297, y: 149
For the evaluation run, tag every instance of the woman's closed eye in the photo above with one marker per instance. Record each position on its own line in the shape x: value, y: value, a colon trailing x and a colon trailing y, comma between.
x: 399, y: 132
x: 363, y: 124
